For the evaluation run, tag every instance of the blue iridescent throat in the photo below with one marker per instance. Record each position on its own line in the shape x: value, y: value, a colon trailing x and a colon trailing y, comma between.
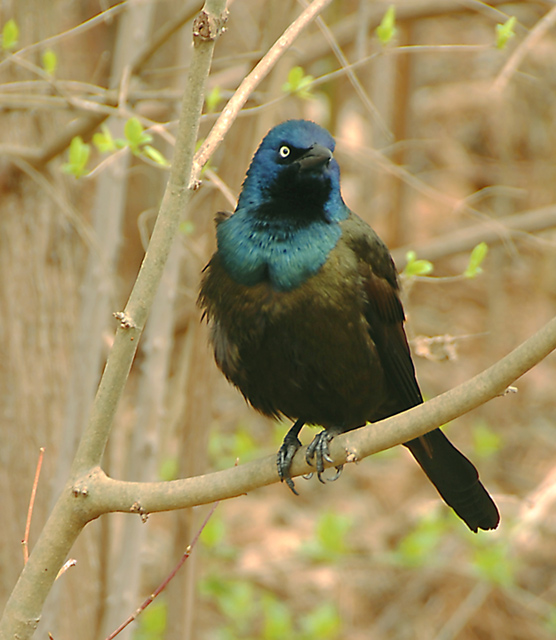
x: 254, y: 250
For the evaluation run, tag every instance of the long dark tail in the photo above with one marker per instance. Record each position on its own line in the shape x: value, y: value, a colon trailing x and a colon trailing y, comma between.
x: 455, y: 479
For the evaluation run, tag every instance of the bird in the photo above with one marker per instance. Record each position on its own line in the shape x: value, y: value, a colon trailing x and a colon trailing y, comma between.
x: 302, y: 300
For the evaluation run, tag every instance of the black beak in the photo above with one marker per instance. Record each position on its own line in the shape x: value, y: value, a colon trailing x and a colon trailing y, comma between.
x: 314, y: 158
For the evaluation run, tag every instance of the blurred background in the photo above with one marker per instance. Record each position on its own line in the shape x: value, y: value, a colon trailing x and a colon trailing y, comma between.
x: 444, y: 141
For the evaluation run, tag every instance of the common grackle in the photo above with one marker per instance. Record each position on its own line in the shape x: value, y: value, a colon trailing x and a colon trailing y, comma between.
x: 305, y: 318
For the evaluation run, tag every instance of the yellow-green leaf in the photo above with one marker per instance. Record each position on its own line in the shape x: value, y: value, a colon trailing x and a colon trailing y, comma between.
x: 475, y: 259
x: 386, y: 30
x: 10, y: 35
x: 79, y: 152
x: 49, y: 61
x: 299, y: 83
x: 505, y: 32
x: 103, y: 140
x: 416, y: 267
x: 135, y: 135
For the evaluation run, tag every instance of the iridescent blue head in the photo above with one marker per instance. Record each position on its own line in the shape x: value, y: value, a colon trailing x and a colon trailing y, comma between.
x: 287, y: 218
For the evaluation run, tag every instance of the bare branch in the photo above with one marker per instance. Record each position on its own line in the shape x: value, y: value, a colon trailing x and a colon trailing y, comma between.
x: 246, y: 88
x: 508, y: 227
x: 523, y: 49
x: 166, y: 580
x: 25, y: 541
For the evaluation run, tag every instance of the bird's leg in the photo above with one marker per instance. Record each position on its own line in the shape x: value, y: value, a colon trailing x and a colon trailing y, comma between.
x: 319, y: 449
x: 287, y: 451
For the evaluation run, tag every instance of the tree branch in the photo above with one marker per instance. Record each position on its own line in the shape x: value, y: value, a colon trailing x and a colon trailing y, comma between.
x: 105, y: 494
x: 463, y: 240
x: 517, y: 57
x: 174, y: 202
x: 246, y: 88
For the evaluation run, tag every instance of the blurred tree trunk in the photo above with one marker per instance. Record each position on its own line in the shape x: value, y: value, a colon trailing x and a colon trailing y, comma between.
x: 42, y: 256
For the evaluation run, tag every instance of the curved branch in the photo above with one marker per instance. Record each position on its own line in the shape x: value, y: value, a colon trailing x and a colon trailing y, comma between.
x: 246, y: 88
x: 104, y: 494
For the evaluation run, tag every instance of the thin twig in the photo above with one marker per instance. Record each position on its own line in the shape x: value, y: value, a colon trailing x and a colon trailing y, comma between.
x: 25, y: 541
x: 246, y: 88
x: 168, y: 578
x: 104, y: 16
x: 523, y: 49
x: 456, y: 205
x: 512, y: 226
x: 356, y: 84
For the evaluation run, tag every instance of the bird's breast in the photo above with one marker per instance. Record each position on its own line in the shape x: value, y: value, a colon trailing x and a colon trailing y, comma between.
x: 305, y: 352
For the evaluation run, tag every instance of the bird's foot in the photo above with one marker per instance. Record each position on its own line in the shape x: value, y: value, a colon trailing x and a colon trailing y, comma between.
x: 286, y: 453
x: 284, y: 460
x: 319, y: 452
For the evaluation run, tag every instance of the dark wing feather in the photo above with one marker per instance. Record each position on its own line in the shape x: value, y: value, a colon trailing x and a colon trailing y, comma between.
x: 453, y: 475
x: 385, y: 316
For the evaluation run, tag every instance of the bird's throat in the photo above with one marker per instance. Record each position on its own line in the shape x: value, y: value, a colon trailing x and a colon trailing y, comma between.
x: 283, y: 250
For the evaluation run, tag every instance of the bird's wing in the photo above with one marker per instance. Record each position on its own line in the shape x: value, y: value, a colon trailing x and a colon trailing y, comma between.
x: 454, y: 476
x: 384, y: 313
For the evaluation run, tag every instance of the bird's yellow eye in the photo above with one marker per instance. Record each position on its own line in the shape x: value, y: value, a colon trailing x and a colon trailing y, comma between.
x: 284, y: 151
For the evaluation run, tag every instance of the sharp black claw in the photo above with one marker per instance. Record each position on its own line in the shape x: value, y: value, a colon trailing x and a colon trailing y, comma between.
x: 337, y: 474
x: 286, y: 454
x: 291, y: 485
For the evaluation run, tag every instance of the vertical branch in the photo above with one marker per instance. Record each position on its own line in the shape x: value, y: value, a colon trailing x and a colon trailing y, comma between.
x: 99, y: 282
x: 206, y: 29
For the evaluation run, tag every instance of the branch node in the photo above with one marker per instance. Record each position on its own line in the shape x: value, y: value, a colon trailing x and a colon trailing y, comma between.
x: 207, y: 27
x: 80, y: 491
x: 69, y: 563
x: 509, y: 390
x: 126, y: 321
x: 195, y: 184
x: 137, y: 508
